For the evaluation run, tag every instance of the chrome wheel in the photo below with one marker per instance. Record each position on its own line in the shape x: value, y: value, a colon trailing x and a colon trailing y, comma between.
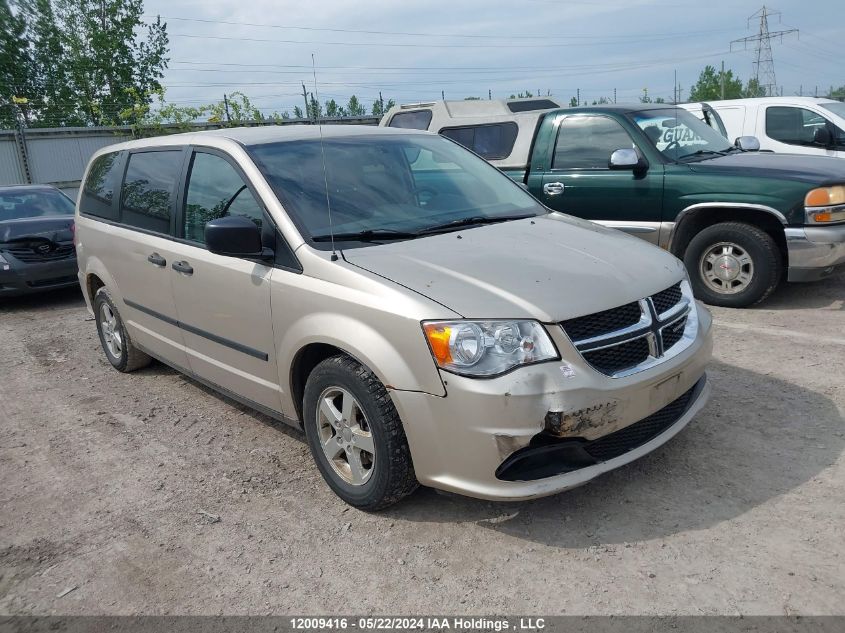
x: 726, y: 268
x: 345, y: 436
x: 110, y: 329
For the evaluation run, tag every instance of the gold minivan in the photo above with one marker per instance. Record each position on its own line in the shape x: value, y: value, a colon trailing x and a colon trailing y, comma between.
x: 417, y: 313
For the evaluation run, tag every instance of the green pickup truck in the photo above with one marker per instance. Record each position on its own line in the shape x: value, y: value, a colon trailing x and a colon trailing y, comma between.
x: 741, y: 220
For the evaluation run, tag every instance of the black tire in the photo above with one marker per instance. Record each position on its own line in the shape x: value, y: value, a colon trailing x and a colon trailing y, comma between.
x: 391, y: 475
x: 130, y: 357
x: 765, y: 257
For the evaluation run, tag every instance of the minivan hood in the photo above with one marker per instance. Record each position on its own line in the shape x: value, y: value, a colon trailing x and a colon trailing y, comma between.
x: 54, y: 228
x: 817, y: 170
x: 550, y: 268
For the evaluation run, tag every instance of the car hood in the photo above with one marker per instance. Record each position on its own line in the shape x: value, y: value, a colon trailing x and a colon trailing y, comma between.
x: 549, y: 268
x: 51, y: 228
x: 817, y: 170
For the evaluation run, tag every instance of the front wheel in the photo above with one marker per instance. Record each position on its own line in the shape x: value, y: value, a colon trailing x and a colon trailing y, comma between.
x: 355, y: 435
x: 733, y: 264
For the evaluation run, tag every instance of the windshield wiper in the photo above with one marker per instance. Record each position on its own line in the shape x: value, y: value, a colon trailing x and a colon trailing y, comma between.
x: 703, y: 152
x: 368, y: 235
x: 475, y: 220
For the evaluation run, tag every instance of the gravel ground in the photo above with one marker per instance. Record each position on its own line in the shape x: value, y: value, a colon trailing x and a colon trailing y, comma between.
x: 147, y: 493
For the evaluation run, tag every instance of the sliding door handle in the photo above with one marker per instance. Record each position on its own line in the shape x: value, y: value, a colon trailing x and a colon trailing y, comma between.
x: 182, y: 267
x: 157, y: 260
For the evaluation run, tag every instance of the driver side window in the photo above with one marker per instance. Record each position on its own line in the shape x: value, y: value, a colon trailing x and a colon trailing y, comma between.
x: 586, y: 142
x: 216, y: 190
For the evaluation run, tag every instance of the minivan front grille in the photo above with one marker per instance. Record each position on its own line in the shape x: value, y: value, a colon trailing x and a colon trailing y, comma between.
x: 636, y: 335
x: 603, y: 322
x: 47, y: 252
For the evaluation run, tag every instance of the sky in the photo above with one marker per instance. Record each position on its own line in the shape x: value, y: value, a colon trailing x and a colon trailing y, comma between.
x: 416, y: 51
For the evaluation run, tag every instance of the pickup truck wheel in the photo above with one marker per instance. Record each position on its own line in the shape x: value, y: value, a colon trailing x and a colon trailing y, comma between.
x: 355, y: 435
x: 733, y: 264
x: 116, y: 342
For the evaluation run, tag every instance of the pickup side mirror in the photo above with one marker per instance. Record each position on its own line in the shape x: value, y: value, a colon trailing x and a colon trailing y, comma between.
x: 235, y: 236
x: 822, y: 137
x: 748, y: 143
x: 627, y: 159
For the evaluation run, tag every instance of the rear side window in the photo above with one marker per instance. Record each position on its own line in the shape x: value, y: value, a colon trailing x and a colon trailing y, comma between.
x: 216, y: 190
x: 97, y: 195
x: 416, y: 120
x: 796, y: 126
x: 149, y: 188
x: 528, y: 106
x: 491, y: 141
x: 586, y: 142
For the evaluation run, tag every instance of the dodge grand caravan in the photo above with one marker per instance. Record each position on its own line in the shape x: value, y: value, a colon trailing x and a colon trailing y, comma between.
x: 421, y: 316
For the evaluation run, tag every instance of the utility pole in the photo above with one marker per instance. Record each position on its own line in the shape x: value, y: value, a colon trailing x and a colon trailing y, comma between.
x: 226, y: 107
x: 578, y: 97
x: 443, y: 95
x: 764, y: 66
x: 614, y: 95
x: 305, y: 100
x: 489, y: 95
x: 675, y: 88
x: 722, y: 81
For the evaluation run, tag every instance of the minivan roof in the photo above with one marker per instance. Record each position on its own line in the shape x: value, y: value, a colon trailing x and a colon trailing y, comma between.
x: 259, y: 135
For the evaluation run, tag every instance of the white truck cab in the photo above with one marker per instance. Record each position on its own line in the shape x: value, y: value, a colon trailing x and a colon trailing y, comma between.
x: 795, y: 125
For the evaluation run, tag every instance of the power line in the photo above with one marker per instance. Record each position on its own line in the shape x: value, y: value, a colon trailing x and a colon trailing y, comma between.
x: 507, y: 36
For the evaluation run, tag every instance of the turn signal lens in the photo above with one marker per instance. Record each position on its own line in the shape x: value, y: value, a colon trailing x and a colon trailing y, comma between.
x: 825, y: 197
x: 438, y: 338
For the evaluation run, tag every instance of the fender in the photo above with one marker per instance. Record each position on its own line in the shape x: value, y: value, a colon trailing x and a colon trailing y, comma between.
x: 688, y: 211
x: 95, y: 266
x: 410, y: 369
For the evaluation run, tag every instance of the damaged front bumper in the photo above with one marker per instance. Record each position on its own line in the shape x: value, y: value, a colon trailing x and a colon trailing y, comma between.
x: 550, y: 427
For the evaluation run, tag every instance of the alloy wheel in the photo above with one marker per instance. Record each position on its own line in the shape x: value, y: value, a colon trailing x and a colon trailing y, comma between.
x: 344, y: 435
x: 726, y: 268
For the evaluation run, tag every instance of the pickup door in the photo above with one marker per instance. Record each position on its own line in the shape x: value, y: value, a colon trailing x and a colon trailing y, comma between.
x: 570, y: 173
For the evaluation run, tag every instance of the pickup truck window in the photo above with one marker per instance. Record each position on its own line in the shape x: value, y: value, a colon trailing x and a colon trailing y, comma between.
x: 586, y: 142
x: 792, y: 125
x: 416, y: 120
x: 492, y: 141
x: 680, y: 135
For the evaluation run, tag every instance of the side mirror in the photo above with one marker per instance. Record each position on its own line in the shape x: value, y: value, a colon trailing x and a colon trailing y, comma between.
x: 235, y: 236
x: 627, y: 159
x: 748, y: 143
x: 822, y: 136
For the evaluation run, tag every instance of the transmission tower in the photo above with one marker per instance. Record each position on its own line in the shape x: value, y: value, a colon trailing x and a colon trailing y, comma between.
x: 764, y: 65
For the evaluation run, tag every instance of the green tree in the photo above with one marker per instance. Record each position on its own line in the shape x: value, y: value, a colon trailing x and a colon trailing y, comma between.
x: 93, y: 59
x: 837, y: 93
x: 380, y: 106
x: 754, y: 89
x: 315, y: 109
x: 709, y: 85
x: 522, y: 95
x: 573, y: 102
x: 17, y: 70
x: 332, y: 109
x: 297, y: 113
x: 355, y: 107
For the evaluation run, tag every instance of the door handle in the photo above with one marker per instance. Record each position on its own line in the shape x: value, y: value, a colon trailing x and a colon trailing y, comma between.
x: 182, y: 267
x: 553, y: 188
x: 157, y: 260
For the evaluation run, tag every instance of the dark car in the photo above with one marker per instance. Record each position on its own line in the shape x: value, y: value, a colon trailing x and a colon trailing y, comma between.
x: 36, y: 240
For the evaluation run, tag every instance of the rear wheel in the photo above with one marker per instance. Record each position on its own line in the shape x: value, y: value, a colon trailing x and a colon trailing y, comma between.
x: 355, y: 435
x: 733, y: 264
x: 116, y: 342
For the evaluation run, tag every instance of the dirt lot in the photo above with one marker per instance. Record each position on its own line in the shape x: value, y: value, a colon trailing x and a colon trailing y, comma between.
x: 104, y: 477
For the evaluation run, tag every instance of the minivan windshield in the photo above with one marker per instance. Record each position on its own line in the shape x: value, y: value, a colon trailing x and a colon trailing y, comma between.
x: 387, y: 187
x: 680, y: 135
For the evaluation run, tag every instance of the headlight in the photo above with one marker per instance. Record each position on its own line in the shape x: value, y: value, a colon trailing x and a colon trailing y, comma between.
x: 818, y: 201
x: 487, y: 348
